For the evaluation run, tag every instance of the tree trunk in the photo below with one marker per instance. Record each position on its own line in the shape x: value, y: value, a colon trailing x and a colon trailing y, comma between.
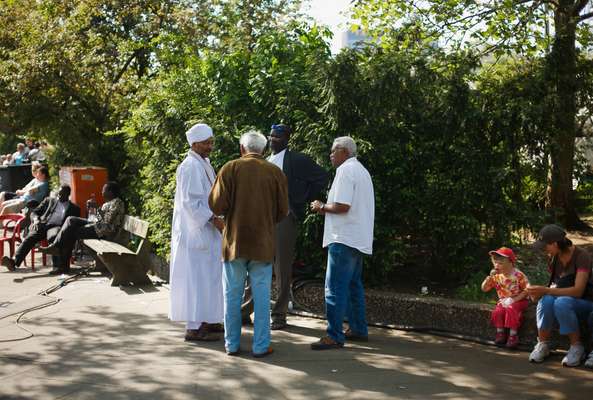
x: 562, y: 64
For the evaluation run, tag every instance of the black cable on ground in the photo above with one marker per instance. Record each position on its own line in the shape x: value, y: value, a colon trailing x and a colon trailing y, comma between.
x: 46, y: 293
x: 64, y: 282
x: 23, y: 313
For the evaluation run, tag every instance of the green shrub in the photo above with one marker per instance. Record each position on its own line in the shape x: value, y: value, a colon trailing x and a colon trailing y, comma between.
x: 448, y: 178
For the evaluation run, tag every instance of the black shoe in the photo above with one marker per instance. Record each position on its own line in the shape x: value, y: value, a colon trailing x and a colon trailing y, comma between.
x: 8, y: 263
x: 51, y: 250
x: 200, y: 335
x: 278, y: 325
x: 60, y: 271
x: 215, y: 328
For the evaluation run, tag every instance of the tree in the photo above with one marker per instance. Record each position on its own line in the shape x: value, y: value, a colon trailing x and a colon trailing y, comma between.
x: 512, y: 28
x: 273, y: 80
x: 70, y: 70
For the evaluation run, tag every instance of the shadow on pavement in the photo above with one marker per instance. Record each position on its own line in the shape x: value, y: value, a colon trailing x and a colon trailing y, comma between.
x: 126, y: 349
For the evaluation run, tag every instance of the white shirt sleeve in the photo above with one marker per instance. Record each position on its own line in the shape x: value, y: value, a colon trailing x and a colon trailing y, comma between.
x: 343, y: 188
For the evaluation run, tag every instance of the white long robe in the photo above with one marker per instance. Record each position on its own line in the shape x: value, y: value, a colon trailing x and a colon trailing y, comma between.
x: 196, y: 247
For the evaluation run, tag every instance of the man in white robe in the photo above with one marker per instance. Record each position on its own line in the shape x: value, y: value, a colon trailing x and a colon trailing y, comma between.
x: 196, y: 244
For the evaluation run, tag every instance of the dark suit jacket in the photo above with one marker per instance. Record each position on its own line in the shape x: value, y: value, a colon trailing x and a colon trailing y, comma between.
x: 47, y: 207
x: 305, y: 178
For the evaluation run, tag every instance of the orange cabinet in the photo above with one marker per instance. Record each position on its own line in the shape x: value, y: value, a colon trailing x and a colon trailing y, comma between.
x: 84, y: 181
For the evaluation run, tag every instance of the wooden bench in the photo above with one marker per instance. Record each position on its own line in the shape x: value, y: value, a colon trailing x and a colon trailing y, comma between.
x: 127, y: 267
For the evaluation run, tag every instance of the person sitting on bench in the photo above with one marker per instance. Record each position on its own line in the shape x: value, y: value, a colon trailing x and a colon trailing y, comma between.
x: 47, y: 219
x: 110, y: 219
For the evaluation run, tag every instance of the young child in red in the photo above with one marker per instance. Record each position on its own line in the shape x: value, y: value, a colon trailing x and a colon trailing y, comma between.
x: 510, y: 284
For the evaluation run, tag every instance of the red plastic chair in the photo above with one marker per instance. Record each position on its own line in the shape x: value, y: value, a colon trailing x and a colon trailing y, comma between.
x: 10, y: 224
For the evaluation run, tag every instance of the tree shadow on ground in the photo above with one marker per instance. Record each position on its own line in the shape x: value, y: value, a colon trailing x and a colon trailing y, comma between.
x: 111, y: 352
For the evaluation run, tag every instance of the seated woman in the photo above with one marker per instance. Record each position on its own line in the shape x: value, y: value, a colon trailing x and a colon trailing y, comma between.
x: 20, y: 192
x: 568, y: 298
x: 20, y: 155
x: 37, y: 190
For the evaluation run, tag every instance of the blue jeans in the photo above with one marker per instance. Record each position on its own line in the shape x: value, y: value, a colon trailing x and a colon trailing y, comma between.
x: 233, y: 281
x: 344, y: 292
x: 568, y: 311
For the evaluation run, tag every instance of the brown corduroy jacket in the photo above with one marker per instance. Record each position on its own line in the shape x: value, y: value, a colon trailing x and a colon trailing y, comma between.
x: 252, y: 194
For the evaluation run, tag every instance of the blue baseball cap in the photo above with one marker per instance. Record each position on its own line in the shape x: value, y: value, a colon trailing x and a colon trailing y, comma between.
x: 281, y: 129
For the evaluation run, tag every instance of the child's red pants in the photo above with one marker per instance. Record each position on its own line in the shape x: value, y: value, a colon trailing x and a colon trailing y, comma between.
x: 509, y: 317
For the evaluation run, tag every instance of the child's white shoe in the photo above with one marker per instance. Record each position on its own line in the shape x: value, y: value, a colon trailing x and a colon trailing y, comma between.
x: 589, y: 361
x: 575, y: 355
x: 539, y: 352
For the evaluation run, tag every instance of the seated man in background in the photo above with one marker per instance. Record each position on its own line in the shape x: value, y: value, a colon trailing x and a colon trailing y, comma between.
x: 37, y: 190
x: 110, y: 219
x: 47, y: 218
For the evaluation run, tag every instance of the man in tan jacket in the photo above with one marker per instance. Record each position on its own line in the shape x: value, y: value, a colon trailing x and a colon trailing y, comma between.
x: 252, y: 194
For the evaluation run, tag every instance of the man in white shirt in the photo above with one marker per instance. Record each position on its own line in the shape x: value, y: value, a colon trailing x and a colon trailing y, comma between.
x: 348, y: 234
x: 196, y: 244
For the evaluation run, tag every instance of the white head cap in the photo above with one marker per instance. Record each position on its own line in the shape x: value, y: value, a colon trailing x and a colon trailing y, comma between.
x: 198, y: 133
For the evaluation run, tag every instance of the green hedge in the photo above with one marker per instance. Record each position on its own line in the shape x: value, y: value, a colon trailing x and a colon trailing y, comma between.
x: 449, y: 174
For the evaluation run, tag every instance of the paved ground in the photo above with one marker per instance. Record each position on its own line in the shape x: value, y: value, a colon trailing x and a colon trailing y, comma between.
x: 101, y: 342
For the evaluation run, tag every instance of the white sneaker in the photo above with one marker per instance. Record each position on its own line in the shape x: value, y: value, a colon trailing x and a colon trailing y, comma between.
x: 589, y: 361
x: 575, y: 355
x: 540, y: 352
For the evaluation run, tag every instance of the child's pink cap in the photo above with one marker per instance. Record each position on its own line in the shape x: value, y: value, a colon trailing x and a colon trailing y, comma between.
x: 505, y: 252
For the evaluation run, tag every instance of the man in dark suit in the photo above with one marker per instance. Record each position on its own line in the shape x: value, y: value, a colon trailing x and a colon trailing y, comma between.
x: 47, y: 219
x: 306, y: 180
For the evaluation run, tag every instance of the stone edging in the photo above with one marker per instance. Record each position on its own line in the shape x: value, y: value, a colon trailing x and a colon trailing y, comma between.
x: 455, y: 318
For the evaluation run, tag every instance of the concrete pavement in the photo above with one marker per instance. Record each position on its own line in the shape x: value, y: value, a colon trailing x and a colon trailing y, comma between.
x: 103, y: 342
